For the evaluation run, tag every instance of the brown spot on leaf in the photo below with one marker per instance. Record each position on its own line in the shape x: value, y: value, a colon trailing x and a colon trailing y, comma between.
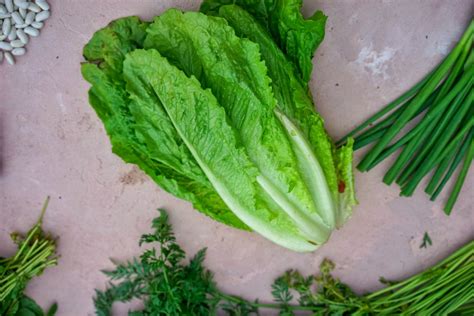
x: 341, y: 187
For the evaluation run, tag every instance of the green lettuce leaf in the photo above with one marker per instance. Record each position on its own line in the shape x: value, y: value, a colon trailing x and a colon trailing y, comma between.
x: 296, y: 104
x: 347, y: 197
x: 202, y: 125
x: 296, y: 36
x: 212, y: 109
x: 215, y: 56
x: 160, y: 153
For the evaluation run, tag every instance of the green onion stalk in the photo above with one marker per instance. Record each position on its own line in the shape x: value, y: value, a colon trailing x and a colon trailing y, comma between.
x: 441, y: 141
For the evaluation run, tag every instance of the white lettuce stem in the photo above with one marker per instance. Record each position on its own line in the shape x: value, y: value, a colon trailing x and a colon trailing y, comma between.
x: 311, y: 226
x: 311, y: 171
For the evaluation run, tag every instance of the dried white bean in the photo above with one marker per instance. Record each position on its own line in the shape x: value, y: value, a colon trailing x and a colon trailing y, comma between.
x: 37, y: 25
x: 12, y: 35
x: 34, y: 7
x: 23, y: 12
x: 30, y: 17
x: 43, y: 4
x: 22, y: 4
x: 9, y: 58
x: 9, y: 5
x: 31, y: 31
x: 17, y: 43
x: 6, y: 27
x: 43, y: 15
x: 22, y: 36
x: 20, y: 19
x: 17, y: 18
x: 5, y: 46
x: 19, y: 51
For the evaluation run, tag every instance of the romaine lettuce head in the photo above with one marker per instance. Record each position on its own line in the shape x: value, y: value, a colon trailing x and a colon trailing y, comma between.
x: 216, y: 113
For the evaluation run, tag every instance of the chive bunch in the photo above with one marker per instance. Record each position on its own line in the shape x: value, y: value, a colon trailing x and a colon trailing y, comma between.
x: 442, y: 289
x: 443, y: 136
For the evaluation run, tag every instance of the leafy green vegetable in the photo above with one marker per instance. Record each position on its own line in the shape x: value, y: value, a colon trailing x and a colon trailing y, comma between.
x: 168, y: 285
x: 296, y: 36
x: 246, y: 96
x: 245, y: 147
x: 294, y: 101
x: 35, y: 253
x: 203, y: 127
x: 149, y: 140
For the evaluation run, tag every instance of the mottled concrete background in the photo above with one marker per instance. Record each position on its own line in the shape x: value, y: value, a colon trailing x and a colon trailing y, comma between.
x: 53, y: 144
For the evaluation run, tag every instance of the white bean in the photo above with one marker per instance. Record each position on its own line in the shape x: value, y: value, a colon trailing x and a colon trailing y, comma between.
x: 17, y: 43
x: 6, y: 27
x: 5, y: 46
x: 12, y: 35
x: 42, y: 4
x: 3, y: 9
x: 5, y: 15
x: 43, y: 15
x: 30, y: 17
x: 23, y: 12
x: 19, y: 51
x: 31, y: 31
x: 17, y: 18
x: 9, y: 58
x: 22, y: 36
x: 37, y: 25
x: 9, y: 5
x: 34, y: 7
x: 21, y: 26
x: 22, y: 4
x: 2, y: 37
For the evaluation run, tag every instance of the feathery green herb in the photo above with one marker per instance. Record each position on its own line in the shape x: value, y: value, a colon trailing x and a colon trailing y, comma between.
x: 169, y: 285
x: 36, y: 252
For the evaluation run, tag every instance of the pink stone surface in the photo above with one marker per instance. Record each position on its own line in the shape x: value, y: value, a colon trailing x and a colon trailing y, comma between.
x: 53, y: 144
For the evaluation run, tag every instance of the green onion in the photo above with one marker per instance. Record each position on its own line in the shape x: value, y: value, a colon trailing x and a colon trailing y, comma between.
x: 459, y: 154
x: 444, y: 104
x: 459, y: 182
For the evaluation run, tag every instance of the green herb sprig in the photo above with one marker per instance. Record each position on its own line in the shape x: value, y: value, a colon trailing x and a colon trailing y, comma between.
x: 443, y: 137
x: 168, y: 285
x: 35, y: 253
